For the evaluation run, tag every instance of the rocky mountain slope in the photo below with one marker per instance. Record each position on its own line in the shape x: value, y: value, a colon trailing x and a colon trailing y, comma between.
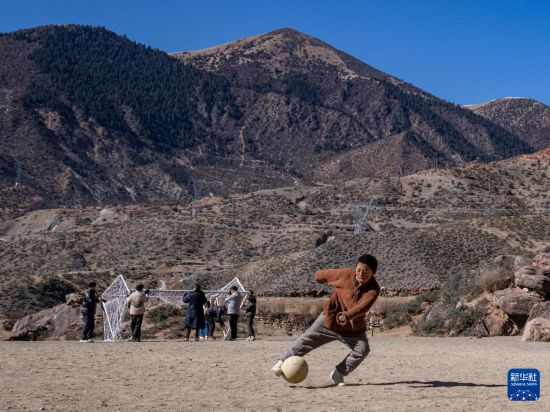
x: 423, y: 228
x: 89, y: 118
x: 527, y: 118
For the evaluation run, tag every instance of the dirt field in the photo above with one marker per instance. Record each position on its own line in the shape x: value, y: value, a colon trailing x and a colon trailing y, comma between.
x: 400, y: 374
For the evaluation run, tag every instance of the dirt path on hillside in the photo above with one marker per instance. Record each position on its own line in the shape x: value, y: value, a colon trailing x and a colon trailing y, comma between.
x: 400, y: 374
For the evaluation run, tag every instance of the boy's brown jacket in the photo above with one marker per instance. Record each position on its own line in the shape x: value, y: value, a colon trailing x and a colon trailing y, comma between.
x: 349, y: 298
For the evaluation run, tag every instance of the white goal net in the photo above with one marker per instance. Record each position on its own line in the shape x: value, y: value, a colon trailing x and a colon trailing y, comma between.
x: 115, y: 307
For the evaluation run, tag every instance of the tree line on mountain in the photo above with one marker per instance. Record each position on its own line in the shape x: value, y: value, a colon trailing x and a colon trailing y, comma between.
x: 102, y: 73
x: 432, y: 112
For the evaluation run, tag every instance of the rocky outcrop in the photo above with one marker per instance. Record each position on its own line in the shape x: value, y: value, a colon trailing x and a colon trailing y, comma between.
x: 540, y: 310
x: 516, y: 302
x: 536, y: 276
x: 438, y: 313
x: 53, y: 322
x: 495, y: 323
x: 537, y: 330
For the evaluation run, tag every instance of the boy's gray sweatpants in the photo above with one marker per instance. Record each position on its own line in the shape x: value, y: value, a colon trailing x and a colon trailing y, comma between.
x: 317, y: 335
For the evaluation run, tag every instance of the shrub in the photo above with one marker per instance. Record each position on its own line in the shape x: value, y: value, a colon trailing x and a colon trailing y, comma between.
x: 494, y: 280
x: 430, y: 296
x: 163, y: 313
x: 459, y: 286
x: 403, y: 314
x: 458, y: 322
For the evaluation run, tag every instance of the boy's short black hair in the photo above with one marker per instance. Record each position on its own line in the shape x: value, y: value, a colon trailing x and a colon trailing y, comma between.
x: 197, y: 286
x: 369, y: 260
x: 235, y: 288
x: 139, y: 287
x: 92, y: 284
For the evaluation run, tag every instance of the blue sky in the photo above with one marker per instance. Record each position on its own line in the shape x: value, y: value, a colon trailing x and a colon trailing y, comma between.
x: 464, y: 51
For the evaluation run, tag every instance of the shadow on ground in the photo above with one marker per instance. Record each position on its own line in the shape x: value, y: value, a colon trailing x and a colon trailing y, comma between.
x: 415, y: 384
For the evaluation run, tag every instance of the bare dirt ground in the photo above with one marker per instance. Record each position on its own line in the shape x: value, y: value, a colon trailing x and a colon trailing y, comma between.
x: 400, y: 374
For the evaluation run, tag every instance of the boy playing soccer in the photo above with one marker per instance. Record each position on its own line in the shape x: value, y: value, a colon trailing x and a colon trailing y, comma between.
x: 343, y: 317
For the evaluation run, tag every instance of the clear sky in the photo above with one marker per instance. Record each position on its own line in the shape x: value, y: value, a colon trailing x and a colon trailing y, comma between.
x: 461, y: 50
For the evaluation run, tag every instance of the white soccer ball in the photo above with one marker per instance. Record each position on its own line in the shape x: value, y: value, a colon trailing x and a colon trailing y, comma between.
x: 295, y: 369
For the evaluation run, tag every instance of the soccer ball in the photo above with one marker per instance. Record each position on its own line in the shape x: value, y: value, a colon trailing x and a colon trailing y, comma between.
x: 295, y: 369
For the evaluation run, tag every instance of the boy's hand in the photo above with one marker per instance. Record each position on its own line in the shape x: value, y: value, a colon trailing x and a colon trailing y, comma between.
x: 341, y: 319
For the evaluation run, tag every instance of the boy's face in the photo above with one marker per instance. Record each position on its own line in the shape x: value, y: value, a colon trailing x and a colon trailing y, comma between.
x: 363, y: 273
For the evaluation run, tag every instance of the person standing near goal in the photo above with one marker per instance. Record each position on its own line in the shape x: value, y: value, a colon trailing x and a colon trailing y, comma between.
x: 194, y: 318
x: 136, y: 305
x: 250, y: 313
x: 233, y: 302
x: 343, y: 316
x: 88, y: 308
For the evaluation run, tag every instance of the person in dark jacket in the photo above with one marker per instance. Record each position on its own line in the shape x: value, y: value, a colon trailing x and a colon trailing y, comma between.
x: 194, y: 318
x: 250, y: 313
x: 88, y: 309
x: 214, y: 313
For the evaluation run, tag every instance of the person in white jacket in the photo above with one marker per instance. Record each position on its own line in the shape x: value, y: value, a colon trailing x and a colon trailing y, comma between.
x: 136, y: 306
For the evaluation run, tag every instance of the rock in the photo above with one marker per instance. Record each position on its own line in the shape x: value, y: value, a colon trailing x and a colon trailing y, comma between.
x: 497, y: 323
x: 73, y: 299
x: 515, y: 302
x: 537, y: 330
x: 540, y: 310
x: 55, y: 321
x: 479, y: 330
x: 437, y: 314
x: 531, y: 278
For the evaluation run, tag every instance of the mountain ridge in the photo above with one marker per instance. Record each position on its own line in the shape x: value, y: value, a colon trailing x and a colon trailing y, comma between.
x: 92, y: 118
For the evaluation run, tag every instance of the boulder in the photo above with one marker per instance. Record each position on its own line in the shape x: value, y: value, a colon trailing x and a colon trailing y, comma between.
x: 497, y: 323
x: 540, y: 310
x: 537, y: 330
x: 516, y: 302
x: 533, y: 278
x: 437, y: 314
x: 55, y: 321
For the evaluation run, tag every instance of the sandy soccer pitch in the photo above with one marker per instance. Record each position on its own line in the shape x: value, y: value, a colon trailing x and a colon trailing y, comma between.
x: 400, y: 374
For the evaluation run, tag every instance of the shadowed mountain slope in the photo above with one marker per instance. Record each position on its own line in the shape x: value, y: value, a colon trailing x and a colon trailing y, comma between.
x: 91, y: 118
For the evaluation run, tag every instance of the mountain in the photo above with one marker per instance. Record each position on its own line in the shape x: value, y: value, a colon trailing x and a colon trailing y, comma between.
x: 302, y: 90
x: 423, y: 228
x: 91, y: 118
x: 527, y: 118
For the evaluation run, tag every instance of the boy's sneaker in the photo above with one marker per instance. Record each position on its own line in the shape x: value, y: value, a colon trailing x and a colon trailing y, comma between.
x: 276, y: 369
x: 337, y: 377
x: 186, y: 339
x: 252, y: 338
x: 201, y: 338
